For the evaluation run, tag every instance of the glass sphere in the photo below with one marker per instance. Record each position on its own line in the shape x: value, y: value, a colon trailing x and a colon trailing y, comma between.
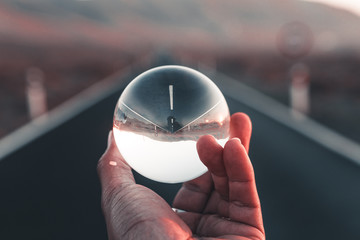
x: 159, y: 118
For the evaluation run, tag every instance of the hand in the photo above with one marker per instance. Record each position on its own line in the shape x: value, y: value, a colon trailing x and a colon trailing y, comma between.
x: 221, y: 203
x: 224, y: 201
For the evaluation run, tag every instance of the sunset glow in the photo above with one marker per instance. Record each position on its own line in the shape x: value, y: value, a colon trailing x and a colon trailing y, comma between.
x: 349, y: 5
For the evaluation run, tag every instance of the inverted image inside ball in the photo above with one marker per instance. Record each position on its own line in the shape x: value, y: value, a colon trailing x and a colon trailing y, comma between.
x: 159, y: 118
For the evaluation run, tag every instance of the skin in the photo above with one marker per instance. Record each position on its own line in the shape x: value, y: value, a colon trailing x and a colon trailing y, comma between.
x: 221, y: 204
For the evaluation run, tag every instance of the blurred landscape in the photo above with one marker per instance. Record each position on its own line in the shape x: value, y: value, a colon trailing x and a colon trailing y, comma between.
x: 78, y: 43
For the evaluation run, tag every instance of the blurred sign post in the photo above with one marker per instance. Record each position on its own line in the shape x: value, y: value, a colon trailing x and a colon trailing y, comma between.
x: 299, y: 90
x: 295, y: 41
x: 35, y: 92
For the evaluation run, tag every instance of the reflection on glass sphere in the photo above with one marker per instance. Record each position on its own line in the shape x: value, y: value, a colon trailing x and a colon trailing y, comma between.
x: 160, y: 116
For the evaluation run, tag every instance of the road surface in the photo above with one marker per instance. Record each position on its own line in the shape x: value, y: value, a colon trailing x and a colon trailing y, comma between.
x: 50, y: 190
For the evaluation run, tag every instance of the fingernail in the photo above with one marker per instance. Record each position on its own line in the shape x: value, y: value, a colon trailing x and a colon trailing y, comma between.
x: 237, y: 139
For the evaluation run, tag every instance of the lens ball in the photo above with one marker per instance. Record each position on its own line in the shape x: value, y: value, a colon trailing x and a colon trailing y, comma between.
x: 159, y: 118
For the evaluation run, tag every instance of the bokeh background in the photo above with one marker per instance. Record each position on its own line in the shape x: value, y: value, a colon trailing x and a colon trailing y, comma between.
x: 77, y: 43
x: 57, y: 55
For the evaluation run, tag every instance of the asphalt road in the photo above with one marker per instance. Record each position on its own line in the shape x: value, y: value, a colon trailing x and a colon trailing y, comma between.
x: 50, y: 190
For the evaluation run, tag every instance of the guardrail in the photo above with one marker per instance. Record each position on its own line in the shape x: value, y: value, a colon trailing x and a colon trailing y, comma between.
x: 230, y: 87
x: 282, y: 114
x: 67, y: 110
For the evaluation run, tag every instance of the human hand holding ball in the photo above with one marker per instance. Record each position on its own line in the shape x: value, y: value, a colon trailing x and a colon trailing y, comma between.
x: 222, y: 202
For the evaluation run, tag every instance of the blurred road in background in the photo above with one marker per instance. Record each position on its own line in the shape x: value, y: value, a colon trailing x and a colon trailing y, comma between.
x: 57, y: 103
x: 50, y: 188
x: 76, y: 43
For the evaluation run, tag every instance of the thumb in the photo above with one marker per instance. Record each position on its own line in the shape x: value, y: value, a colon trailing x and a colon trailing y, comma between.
x: 112, y: 169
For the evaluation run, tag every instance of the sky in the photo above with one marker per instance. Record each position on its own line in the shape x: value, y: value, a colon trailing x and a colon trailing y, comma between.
x: 350, y: 5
